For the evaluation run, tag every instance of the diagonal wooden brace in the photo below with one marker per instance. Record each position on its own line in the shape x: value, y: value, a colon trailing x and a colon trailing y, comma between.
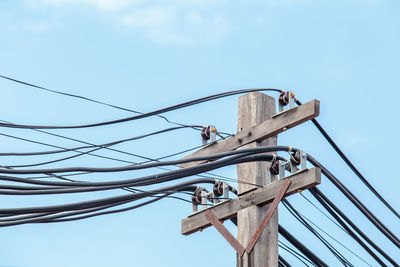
x: 268, y: 215
x: 231, y: 239
x: 224, y: 232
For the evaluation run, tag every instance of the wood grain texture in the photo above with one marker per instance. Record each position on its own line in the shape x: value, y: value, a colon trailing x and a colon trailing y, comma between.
x: 228, y: 209
x: 256, y: 109
x: 266, y: 127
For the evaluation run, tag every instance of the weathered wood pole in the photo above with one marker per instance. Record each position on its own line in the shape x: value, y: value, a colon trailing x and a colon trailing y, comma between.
x: 255, y: 108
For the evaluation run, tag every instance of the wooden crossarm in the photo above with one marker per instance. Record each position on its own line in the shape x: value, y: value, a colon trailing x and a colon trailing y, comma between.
x: 228, y: 209
x: 277, y: 124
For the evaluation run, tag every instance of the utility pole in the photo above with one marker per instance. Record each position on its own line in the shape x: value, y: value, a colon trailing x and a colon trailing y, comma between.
x: 256, y: 208
x: 253, y: 109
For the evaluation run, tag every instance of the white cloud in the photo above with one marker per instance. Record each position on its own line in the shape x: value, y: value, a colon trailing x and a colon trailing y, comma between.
x: 112, y: 4
x: 168, y: 25
x: 105, y: 5
x: 167, y: 21
x: 153, y: 17
x: 156, y: 22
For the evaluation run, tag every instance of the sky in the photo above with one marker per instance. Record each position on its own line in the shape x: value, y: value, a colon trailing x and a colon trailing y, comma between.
x: 146, y: 55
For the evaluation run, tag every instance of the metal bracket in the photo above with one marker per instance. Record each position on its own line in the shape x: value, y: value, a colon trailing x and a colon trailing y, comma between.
x: 204, y: 196
x: 209, y: 133
x: 303, y: 160
x: 290, y: 101
x: 224, y: 232
x: 225, y: 192
x: 194, y: 208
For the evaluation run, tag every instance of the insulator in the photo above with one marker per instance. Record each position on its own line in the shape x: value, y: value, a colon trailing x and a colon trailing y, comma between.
x: 196, y: 198
x: 218, y: 189
x: 295, y: 158
x: 205, y: 133
x: 284, y: 98
x: 274, y: 168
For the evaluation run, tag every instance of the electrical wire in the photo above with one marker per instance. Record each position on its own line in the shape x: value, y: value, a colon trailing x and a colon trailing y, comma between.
x: 340, y: 216
x: 141, y: 181
x: 91, y: 100
x: 341, y: 187
x: 104, y: 202
x: 357, y: 203
x: 88, y: 146
x: 301, y: 247
x: 55, y: 146
x: 354, y: 200
x: 106, y: 146
x: 282, y: 262
x: 323, y: 213
x: 351, y: 165
x: 334, y: 239
x: 250, y: 152
x: 110, y: 158
x: 294, y: 253
x: 144, y: 115
x: 331, y: 248
x: 168, y: 194
x: 314, y: 259
x: 110, y: 200
x: 80, y: 206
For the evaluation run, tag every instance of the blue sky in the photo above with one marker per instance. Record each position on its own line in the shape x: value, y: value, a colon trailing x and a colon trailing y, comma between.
x: 146, y: 55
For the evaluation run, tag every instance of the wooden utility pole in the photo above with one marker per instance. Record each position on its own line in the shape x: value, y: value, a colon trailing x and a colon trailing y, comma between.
x: 254, y: 108
x: 257, y: 237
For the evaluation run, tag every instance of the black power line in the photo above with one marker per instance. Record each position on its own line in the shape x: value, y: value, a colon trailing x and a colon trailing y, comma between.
x: 282, y: 262
x: 351, y: 165
x: 108, y: 144
x: 302, y: 248
x: 357, y: 203
x: 341, y: 217
x: 294, y: 253
x: 136, y: 117
x: 330, y: 247
x: 89, y: 99
x: 330, y: 176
